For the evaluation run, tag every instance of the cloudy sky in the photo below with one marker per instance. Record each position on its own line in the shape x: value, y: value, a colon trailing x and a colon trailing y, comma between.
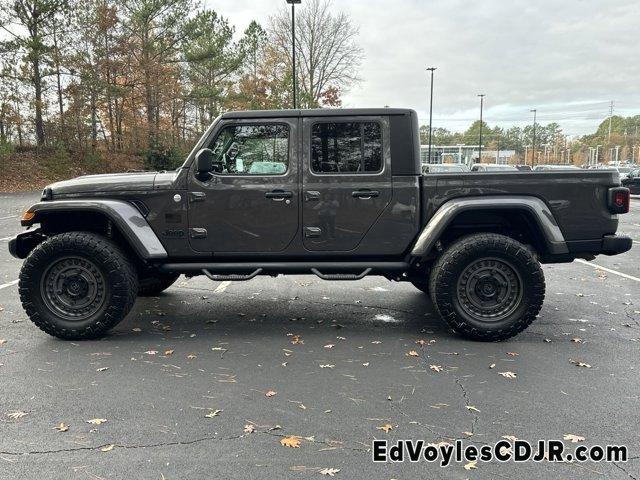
x: 567, y: 58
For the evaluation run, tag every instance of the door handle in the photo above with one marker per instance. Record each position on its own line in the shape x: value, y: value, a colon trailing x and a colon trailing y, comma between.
x: 278, y: 195
x: 365, y: 194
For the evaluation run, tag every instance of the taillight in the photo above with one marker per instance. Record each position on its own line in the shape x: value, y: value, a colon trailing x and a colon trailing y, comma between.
x: 618, y: 200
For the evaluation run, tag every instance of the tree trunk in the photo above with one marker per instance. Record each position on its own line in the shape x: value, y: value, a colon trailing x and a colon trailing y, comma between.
x: 37, y: 85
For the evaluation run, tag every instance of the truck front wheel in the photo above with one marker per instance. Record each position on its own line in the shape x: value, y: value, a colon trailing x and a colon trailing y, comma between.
x: 487, y: 287
x: 77, y: 285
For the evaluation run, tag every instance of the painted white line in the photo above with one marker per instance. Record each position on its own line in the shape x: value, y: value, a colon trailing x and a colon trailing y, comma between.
x: 615, y: 272
x: 7, y: 285
x: 10, y: 216
x: 5, y: 239
x: 222, y: 287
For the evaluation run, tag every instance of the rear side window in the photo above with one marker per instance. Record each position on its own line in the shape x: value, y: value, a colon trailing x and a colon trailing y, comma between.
x: 351, y: 148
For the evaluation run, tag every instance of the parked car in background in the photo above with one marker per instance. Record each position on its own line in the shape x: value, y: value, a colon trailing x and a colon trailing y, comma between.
x: 524, y: 168
x: 555, y: 168
x: 623, y: 170
x: 444, y: 168
x: 632, y: 181
x: 493, y: 167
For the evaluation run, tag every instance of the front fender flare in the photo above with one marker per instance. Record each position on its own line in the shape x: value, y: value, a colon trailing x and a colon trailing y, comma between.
x: 545, y: 220
x: 129, y: 221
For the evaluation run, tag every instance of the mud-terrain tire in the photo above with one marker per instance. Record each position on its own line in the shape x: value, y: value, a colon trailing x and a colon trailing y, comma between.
x: 151, y: 284
x: 487, y: 287
x: 77, y: 285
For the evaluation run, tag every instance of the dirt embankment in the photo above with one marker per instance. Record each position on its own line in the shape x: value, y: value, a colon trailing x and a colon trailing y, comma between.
x: 33, y: 170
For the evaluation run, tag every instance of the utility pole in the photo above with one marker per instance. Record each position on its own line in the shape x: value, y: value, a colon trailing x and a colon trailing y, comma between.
x: 480, y: 146
x: 431, y: 69
x: 533, y: 147
x: 617, y: 154
x: 293, y: 52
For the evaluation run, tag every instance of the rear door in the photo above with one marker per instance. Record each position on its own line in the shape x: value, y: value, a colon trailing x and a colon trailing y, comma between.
x: 346, y: 180
x: 251, y: 203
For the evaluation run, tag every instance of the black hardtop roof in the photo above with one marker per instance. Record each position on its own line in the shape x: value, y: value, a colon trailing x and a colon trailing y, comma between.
x: 319, y: 112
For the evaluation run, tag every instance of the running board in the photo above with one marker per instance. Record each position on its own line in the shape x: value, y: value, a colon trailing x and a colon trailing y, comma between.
x: 324, y: 270
x: 231, y: 277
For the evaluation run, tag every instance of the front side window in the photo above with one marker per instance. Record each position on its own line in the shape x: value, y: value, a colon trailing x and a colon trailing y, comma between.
x: 346, y: 148
x: 252, y: 150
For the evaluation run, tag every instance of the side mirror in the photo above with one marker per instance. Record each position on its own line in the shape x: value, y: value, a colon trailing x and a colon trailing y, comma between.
x: 204, y: 161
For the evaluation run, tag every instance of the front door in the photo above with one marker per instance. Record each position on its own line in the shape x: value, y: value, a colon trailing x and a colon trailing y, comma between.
x: 346, y: 180
x: 250, y: 203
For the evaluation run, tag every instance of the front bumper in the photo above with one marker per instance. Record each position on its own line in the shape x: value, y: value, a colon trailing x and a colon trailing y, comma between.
x: 22, y: 244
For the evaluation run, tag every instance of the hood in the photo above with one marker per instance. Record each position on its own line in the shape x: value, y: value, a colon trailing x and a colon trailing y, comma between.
x: 117, y: 182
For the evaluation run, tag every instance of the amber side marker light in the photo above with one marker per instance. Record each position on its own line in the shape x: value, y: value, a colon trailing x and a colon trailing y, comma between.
x: 27, y: 216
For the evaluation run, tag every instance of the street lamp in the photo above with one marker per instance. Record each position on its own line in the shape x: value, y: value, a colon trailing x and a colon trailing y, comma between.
x: 480, y: 146
x: 430, y: 69
x: 293, y: 4
x: 533, y: 145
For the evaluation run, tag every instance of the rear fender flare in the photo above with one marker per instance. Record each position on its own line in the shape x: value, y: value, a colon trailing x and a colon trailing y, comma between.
x: 546, y: 222
x: 127, y: 218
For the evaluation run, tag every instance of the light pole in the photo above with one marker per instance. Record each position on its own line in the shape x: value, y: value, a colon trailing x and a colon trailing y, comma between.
x: 480, y: 145
x: 293, y: 4
x: 533, y: 144
x: 430, y: 69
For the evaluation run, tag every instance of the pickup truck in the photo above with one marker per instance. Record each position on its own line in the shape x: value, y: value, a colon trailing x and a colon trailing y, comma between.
x: 334, y: 193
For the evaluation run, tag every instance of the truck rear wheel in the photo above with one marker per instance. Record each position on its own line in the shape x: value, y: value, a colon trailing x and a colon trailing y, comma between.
x: 77, y: 285
x: 151, y: 284
x: 487, y: 287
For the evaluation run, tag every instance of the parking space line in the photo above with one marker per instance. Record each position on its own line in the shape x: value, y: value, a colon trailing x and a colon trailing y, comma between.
x: 615, y: 272
x: 10, y: 216
x: 5, y: 239
x: 222, y: 287
x: 7, y: 285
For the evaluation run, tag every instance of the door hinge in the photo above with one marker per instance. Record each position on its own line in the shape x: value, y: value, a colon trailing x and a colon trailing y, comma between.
x: 197, y: 197
x: 198, y: 232
x: 311, y: 232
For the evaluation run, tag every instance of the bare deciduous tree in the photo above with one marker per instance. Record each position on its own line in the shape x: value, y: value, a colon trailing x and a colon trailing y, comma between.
x: 327, y: 51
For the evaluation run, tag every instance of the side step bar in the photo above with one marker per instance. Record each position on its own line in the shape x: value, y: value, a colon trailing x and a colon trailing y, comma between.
x: 324, y: 270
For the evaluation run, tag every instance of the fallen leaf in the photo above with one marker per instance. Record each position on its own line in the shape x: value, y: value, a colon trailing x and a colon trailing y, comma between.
x: 270, y: 393
x: 327, y: 366
x: 249, y: 428
x: 137, y: 329
x: 97, y: 421
x: 493, y: 365
x: 213, y: 413
x: 62, y: 427
x: 296, y: 340
x: 471, y: 408
x: 577, y: 340
x: 168, y: 352
x: 291, y: 442
x: 513, y: 354
x: 108, y: 448
x: 366, y: 364
x: 2, y: 341
x: 580, y: 363
x: 573, y: 438
x: 151, y: 352
x: 386, y: 427
x: 191, y: 356
x: 376, y: 342
x: 329, y: 346
x: 436, y: 368
x: 511, y: 438
x: 508, y: 374
x: 329, y: 471
x: 468, y: 434
x: 102, y: 369
x: 18, y: 414
x: 302, y: 406
x: 413, y: 353
x: 471, y: 465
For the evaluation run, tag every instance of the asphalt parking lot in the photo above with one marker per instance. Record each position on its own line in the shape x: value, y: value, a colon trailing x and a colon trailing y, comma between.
x: 207, y: 379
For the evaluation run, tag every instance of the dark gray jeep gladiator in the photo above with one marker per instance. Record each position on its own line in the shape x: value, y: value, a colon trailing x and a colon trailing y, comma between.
x: 334, y: 193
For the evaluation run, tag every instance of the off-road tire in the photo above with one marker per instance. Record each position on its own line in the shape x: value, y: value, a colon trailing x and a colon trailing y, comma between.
x: 151, y: 284
x: 461, y: 256
x: 118, y: 286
